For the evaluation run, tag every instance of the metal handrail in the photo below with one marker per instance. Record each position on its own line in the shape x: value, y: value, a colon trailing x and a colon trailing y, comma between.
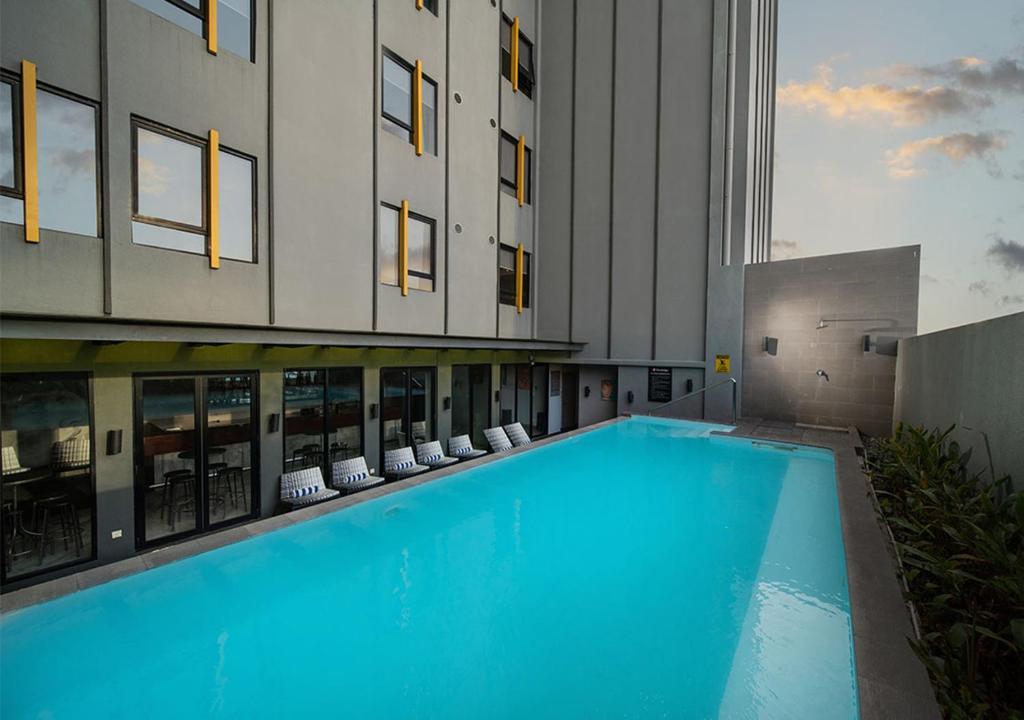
x: 698, y: 392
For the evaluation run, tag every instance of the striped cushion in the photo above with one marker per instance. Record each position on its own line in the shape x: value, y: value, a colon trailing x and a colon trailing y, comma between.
x: 433, y: 458
x: 462, y: 451
x: 303, y: 491
x: 355, y: 477
x: 403, y: 465
x: 70, y: 453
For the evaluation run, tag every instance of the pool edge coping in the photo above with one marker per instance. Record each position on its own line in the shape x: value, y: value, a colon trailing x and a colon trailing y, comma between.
x: 892, y: 682
x: 22, y: 598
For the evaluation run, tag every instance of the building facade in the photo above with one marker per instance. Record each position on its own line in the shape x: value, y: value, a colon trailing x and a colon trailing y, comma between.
x: 239, y: 237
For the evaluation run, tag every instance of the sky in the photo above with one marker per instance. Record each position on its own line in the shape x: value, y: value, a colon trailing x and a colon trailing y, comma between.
x: 901, y: 122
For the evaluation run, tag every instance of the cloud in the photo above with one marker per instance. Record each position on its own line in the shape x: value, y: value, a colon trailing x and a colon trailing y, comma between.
x: 153, y: 177
x: 956, y: 146
x: 930, y: 279
x: 784, y: 249
x: 1007, y: 253
x: 1019, y: 175
x: 912, y: 105
x: 1011, y: 300
x: 980, y: 287
x: 1003, y: 75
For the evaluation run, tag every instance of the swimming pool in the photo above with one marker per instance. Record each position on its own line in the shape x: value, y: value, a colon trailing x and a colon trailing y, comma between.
x: 645, y: 569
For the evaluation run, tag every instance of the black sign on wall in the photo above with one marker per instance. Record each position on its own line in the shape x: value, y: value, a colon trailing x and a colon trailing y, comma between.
x: 659, y: 384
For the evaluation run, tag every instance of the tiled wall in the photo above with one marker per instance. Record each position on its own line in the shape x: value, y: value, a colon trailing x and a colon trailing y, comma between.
x: 865, y: 293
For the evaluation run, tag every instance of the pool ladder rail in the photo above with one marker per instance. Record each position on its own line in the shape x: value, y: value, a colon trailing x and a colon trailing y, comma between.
x: 727, y: 381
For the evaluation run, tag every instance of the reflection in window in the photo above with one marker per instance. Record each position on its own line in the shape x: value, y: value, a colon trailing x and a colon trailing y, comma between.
x: 11, y: 209
x: 389, y: 217
x: 234, y: 21
x: 323, y: 410
x: 471, y: 401
x: 406, y: 407
x: 429, y: 117
x: 421, y: 249
x: 67, y: 164
x: 507, y: 167
x: 236, y: 207
x: 507, y: 276
x: 525, y: 58
x: 397, y: 103
x: 229, y: 445
x: 47, y: 483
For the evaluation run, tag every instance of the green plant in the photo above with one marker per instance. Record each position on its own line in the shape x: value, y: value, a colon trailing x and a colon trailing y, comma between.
x: 960, y: 536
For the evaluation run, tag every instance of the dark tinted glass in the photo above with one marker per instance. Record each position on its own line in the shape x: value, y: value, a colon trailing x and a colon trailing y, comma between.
x: 388, y: 259
x: 229, y: 447
x: 507, y: 275
x: 303, y: 419
x: 345, y: 413
x: 169, y: 468
x: 508, y: 162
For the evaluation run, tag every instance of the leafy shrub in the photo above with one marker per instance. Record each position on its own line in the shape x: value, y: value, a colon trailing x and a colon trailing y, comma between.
x: 960, y: 536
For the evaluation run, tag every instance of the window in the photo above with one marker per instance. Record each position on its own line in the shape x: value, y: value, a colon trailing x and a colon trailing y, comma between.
x: 471, y: 402
x: 407, y: 410
x: 323, y: 408
x: 507, y: 276
x: 421, y: 249
x: 524, y: 397
x: 48, y: 516
x: 235, y: 27
x: 508, y: 163
x: 170, y: 202
x: 397, y: 110
x: 67, y: 160
x: 525, y: 57
x: 430, y: 5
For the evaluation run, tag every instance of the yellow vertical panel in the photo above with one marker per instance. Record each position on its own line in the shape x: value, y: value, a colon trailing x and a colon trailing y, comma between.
x: 519, y: 278
x: 513, y: 44
x: 521, y: 170
x: 211, y: 26
x: 30, y: 151
x: 403, y: 247
x: 419, y: 4
x: 417, y: 101
x: 213, y: 183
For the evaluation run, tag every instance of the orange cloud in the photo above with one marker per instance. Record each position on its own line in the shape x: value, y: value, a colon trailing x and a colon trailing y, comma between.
x: 957, y: 147
x: 911, y: 105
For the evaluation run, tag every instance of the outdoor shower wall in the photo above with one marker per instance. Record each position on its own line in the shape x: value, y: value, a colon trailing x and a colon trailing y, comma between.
x: 871, y: 293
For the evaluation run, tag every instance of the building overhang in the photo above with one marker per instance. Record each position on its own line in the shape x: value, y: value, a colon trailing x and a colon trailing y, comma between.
x: 117, y: 331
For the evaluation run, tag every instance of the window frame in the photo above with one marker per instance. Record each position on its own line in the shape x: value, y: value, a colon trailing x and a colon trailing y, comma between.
x: 31, y: 575
x: 200, y: 14
x: 502, y: 299
x: 325, y: 386
x: 432, y: 223
x: 203, y: 144
x: 16, y: 191
x: 527, y: 72
x: 386, y: 116
x: 507, y: 186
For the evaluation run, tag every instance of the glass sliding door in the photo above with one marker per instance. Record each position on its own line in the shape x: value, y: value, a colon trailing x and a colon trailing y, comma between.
x: 48, y: 511
x: 196, y: 440
x: 407, y: 407
x: 524, y: 397
x: 471, y: 401
x: 323, y: 417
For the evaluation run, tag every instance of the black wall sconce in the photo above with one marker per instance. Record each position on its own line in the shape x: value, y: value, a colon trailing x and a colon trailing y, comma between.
x: 866, y: 343
x: 586, y: 391
x: 114, y: 438
x: 629, y: 396
x: 373, y: 411
x: 446, y: 404
x: 274, y: 422
x: 497, y: 396
x: 770, y: 345
x: 689, y: 385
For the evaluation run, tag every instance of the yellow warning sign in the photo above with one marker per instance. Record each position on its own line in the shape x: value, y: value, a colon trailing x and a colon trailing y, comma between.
x: 722, y: 364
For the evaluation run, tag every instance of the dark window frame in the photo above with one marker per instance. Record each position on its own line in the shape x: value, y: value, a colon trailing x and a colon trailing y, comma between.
x: 18, y: 136
x: 24, y: 578
x: 503, y: 298
x: 471, y: 394
x: 385, y: 116
x: 203, y: 144
x: 200, y: 429
x: 508, y: 186
x: 526, y: 73
x: 431, y: 5
x: 433, y: 249
x: 200, y: 14
x: 407, y: 408
x: 326, y: 370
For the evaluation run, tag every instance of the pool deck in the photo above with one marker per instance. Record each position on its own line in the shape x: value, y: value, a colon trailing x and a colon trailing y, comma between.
x: 891, y: 680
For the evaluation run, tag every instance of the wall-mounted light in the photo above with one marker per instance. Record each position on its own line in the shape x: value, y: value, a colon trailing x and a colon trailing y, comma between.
x: 447, y: 403
x: 629, y: 396
x: 586, y: 391
x: 770, y: 345
x: 497, y: 396
x: 373, y: 411
x: 866, y: 343
x: 274, y: 423
x: 689, y: 385
x: 114, y: 438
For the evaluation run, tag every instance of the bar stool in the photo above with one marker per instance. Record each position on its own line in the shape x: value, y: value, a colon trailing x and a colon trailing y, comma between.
x: 58, y: 520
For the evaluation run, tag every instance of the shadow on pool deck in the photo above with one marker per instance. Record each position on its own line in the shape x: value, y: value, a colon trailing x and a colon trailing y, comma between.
x: 892, y: 682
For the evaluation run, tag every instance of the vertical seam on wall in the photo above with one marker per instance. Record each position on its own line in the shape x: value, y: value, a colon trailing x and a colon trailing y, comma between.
x: 535, y: 183
x: 271, y: 297
x: 572, y: 169
x: 447, y: 151
x: 498, y: 191
x: 611, y: 180
x: 108, y: 299
x: 657, y: 190
x: 376, y: 192
x: 771, y: 127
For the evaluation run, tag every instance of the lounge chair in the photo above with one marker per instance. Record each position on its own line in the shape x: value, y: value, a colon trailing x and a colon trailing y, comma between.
x: 461, y: 447
x: 431, y: 455
x: 352, y: 475
x: 305, y: 487
x: 497, y: 439
x: 517, y: 434
x: 400, y: 463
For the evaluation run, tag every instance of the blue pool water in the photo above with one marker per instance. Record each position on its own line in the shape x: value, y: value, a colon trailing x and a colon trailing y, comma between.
x: 642, y: 570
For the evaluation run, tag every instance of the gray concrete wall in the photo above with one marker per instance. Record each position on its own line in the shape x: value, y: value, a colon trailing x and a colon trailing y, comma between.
x: 592, y: 409
x: 873, y: 292
x: 971, y: 376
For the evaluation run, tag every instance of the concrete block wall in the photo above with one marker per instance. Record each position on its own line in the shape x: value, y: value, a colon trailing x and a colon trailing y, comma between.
x: 871, y: 293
